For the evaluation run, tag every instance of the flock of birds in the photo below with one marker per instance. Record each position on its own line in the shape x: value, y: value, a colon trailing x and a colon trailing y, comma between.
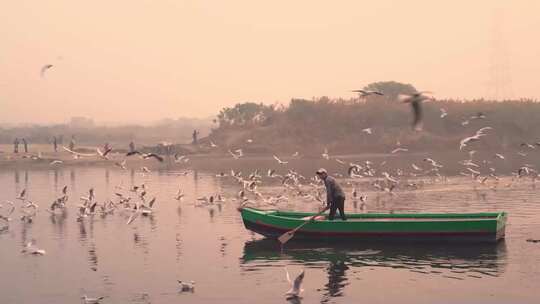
x: 131, y: 202
x: 135, y: 202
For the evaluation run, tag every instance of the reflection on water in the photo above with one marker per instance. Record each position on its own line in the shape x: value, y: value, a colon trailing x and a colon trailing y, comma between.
x: 140, y: 263
x: 480, y: 260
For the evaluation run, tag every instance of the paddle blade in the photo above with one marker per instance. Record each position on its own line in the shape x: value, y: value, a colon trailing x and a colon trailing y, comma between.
x: 284, y: 238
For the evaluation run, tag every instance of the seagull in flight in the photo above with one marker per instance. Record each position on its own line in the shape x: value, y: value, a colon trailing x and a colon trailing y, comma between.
x: 296, y: 285
x: 121, y: 164
x: 399, y: 149
x: 179, y: 195
x: 527, y: 145
x: 365, y: 93
x: 463, y: 143
x: 443, y: 113
x: 145, y: 155
x: 236, y: 154
x: 22, y: 195
x: 77, y: 154
x: 325, y: 155
x: 281, y: 162
x: 368, y: 131
x: 478, y: 115
x: 103, y: 154
x: 415, y: 100
x: 44, y: 69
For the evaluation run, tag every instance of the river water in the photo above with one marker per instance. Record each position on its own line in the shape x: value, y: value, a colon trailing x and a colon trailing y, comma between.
x: 141, y: 262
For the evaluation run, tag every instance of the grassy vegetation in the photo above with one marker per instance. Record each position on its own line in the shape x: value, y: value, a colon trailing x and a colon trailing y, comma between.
x: 337, y: 124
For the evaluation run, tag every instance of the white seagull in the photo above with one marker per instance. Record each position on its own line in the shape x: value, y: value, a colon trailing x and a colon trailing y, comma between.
x: 296, y: 285
x: 31, y: 248
x: 325, y: 155
x: 44, y: 69
x: 280, y: 161
x: 443, y: 113
x: 463, y: 143
x: 186, y: 286
x: 89, y: 300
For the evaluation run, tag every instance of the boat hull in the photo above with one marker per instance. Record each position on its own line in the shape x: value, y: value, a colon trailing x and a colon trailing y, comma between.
x: 477, y: 227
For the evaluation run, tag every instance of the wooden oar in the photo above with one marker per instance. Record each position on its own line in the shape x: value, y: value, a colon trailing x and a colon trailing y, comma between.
x: 284, y: 238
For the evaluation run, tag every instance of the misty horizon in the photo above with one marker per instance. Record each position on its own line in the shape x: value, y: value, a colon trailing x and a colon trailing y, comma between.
x: 172, y: 59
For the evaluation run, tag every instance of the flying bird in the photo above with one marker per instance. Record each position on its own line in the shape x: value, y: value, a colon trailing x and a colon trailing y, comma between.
x: 153, y: 155
x: 44, y: 69
x: 365, y: 93
x: 399, y: 149
x: 478, y: 115
x: 416, y: 100
x: 103, y: 154
x: 296, y: 285
x: 281, y: 162
x: 443, y: 113
x: 463, y: 143
x: 325, y: 155
x: 415, y: 167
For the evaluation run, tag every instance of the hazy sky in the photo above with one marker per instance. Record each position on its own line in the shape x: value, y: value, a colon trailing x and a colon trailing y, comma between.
x: 130, y: 60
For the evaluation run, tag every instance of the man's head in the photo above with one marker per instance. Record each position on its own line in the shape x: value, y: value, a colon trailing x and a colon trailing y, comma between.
x: 321, y: 173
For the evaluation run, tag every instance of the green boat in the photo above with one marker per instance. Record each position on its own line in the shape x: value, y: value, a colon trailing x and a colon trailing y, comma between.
x: 443, y: 227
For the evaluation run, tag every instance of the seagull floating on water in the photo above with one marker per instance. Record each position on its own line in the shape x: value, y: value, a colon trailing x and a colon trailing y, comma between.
x: 89, y: 300
x: 31, y: 248
x: 186, y: 286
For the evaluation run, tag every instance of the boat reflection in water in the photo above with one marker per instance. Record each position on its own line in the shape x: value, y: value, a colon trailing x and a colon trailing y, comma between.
x: 341, y: 260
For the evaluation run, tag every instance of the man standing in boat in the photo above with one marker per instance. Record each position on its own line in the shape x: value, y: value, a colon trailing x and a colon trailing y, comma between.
x: 335, y: 197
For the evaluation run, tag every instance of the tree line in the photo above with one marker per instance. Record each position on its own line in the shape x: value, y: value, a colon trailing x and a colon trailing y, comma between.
x: 339, y: 123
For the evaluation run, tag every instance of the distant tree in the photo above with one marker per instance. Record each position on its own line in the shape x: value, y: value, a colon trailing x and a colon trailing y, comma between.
x: 244, y: 114
x: 391, y: 89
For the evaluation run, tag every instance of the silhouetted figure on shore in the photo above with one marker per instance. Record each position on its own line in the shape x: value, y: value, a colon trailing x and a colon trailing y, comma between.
x: 72, y: 143
x: 131, y: 146
x: 55, y: 144
x: 16, y: 146
x: 195, y: 135
x: 25, y: 145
